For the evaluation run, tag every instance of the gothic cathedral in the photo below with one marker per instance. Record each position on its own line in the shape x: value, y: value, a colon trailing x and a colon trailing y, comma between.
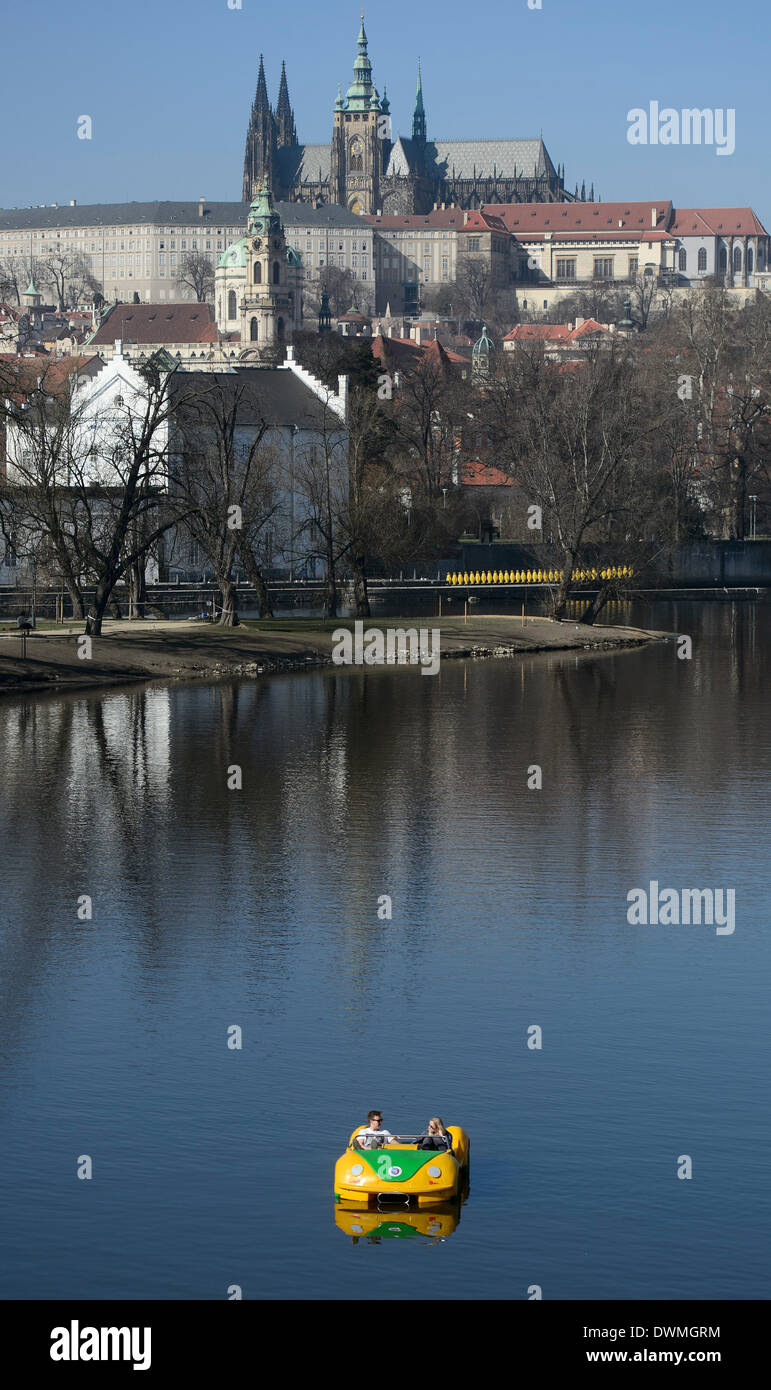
x: 368, y: 170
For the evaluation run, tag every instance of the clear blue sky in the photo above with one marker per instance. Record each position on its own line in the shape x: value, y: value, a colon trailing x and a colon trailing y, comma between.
x: 168, y: 86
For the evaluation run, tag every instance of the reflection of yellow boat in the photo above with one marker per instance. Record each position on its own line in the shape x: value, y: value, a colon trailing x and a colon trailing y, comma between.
x: 402, y: 1172
x: 403, y: 1224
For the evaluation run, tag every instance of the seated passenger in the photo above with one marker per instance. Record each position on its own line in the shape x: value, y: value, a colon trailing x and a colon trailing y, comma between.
x: 436, y: 1136
x: 372, y: 1135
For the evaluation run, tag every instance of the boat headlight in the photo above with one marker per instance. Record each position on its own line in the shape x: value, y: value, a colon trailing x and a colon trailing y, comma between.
x: 357, y: 1169
x: 434, y: 1172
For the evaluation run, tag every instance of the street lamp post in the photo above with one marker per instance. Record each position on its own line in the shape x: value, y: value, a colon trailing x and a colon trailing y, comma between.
x: 753, y: 517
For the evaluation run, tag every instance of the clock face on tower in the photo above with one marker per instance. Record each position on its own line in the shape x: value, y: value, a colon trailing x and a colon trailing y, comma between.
x: 257, y: 243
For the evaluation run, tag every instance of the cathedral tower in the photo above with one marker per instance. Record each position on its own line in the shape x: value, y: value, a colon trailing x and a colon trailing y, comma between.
x: 358, y: 138
x: 285, y: 127
x: 266, y: 133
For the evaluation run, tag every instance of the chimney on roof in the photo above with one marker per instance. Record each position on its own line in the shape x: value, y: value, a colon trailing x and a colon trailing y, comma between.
x: 201, y: 205
x: 654, y: 216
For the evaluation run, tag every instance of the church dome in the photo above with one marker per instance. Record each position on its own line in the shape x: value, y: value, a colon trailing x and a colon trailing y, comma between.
x: 234, y: 256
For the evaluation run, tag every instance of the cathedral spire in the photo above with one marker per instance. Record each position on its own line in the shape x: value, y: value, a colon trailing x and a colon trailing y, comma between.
x: 261, y: 102
x: 361, y: 91
x: 287, y: 134
x: 419, y: 114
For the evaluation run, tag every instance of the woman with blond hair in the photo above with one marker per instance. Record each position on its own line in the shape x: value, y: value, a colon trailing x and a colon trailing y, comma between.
x: 436, y: 1136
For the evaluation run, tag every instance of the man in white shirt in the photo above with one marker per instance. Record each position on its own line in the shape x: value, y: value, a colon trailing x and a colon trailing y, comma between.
x: 372, y: 1135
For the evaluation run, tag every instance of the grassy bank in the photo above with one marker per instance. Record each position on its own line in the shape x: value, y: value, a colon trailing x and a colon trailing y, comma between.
x: 184, y: 651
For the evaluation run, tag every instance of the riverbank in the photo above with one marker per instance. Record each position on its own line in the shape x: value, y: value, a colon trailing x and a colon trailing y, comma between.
x: 189, y: 651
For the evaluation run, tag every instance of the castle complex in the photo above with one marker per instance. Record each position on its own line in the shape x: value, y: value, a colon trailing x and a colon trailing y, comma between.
x: 366, y: 170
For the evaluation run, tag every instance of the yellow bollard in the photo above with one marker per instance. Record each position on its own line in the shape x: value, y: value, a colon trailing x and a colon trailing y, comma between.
x: 489, y: 577
x: 447, y: 579
x: 482, y: 578
x: 465, y: 577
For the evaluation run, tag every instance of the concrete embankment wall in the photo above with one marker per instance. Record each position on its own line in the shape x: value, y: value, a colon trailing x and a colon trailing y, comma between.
x: 704, y: 563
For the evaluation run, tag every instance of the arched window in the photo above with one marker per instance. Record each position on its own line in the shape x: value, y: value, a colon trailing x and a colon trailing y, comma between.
x: 276, y: 272
x: 723, y: 258
x: 737, y: 258
x: 232, y: 309
x: 683, y: 259
x: 750, y: 260
x: 258, y: 272
x: 253, y: 331
x: 702, y: 258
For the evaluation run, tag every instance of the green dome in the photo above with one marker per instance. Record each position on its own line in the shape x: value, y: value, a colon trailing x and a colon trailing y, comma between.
x: 234, y: 256
x: 484, y: 345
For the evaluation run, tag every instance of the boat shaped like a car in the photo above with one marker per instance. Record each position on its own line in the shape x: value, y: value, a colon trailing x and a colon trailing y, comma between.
x: 402, y: 1172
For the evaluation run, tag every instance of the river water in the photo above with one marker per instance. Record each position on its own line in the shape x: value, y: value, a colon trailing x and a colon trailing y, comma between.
x: 213, y: 907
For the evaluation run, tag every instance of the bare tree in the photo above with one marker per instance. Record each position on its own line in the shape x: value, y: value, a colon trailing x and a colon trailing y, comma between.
x: 644, y: 292
x: 474, y: 286
x: 227, y: 482
x: 196, y: 273
x: 574, y: 442
x: 727, y: 361
x: 95, y: 484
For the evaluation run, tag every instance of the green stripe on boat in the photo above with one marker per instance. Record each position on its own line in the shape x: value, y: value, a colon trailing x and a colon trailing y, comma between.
x: 398, y: 1165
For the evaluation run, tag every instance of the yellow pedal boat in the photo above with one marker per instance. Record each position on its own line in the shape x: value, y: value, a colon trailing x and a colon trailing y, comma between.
x: 402, y: 1173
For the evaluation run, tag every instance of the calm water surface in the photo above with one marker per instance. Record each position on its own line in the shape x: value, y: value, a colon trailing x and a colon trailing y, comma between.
x: 214, y: 907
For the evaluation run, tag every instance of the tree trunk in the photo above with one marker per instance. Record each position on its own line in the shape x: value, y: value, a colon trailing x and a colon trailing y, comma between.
x: 137, y: 590
x: 560, y: 601
x: 738, y: 478
x: 98, y: 608
x: 229, y: 614
x: 596, y: 605
x: 76, y: 598
x: 361, y: 596
x: 255, y: 574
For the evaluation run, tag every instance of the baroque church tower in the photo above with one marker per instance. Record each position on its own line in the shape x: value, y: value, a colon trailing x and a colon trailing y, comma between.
x: 268, y: 306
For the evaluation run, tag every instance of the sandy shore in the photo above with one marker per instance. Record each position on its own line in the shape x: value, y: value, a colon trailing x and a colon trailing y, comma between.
x: 185, y: 651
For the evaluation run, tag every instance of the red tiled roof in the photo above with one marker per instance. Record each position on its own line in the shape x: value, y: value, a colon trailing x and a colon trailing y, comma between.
x: 717, y: 222
x: 582, y: 217
x: 412, y: 353
x: 158, y: 323
x: 553, y: 332
x: 476, y: 474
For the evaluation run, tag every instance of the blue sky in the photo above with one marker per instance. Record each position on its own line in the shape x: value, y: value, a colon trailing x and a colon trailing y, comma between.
x: 168, y: 86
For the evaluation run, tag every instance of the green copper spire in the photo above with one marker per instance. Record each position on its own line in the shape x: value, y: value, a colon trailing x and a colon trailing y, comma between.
x: 361, y: 90
x: 262, y: 214
x: 419, y: 114
x: 419, y: 93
